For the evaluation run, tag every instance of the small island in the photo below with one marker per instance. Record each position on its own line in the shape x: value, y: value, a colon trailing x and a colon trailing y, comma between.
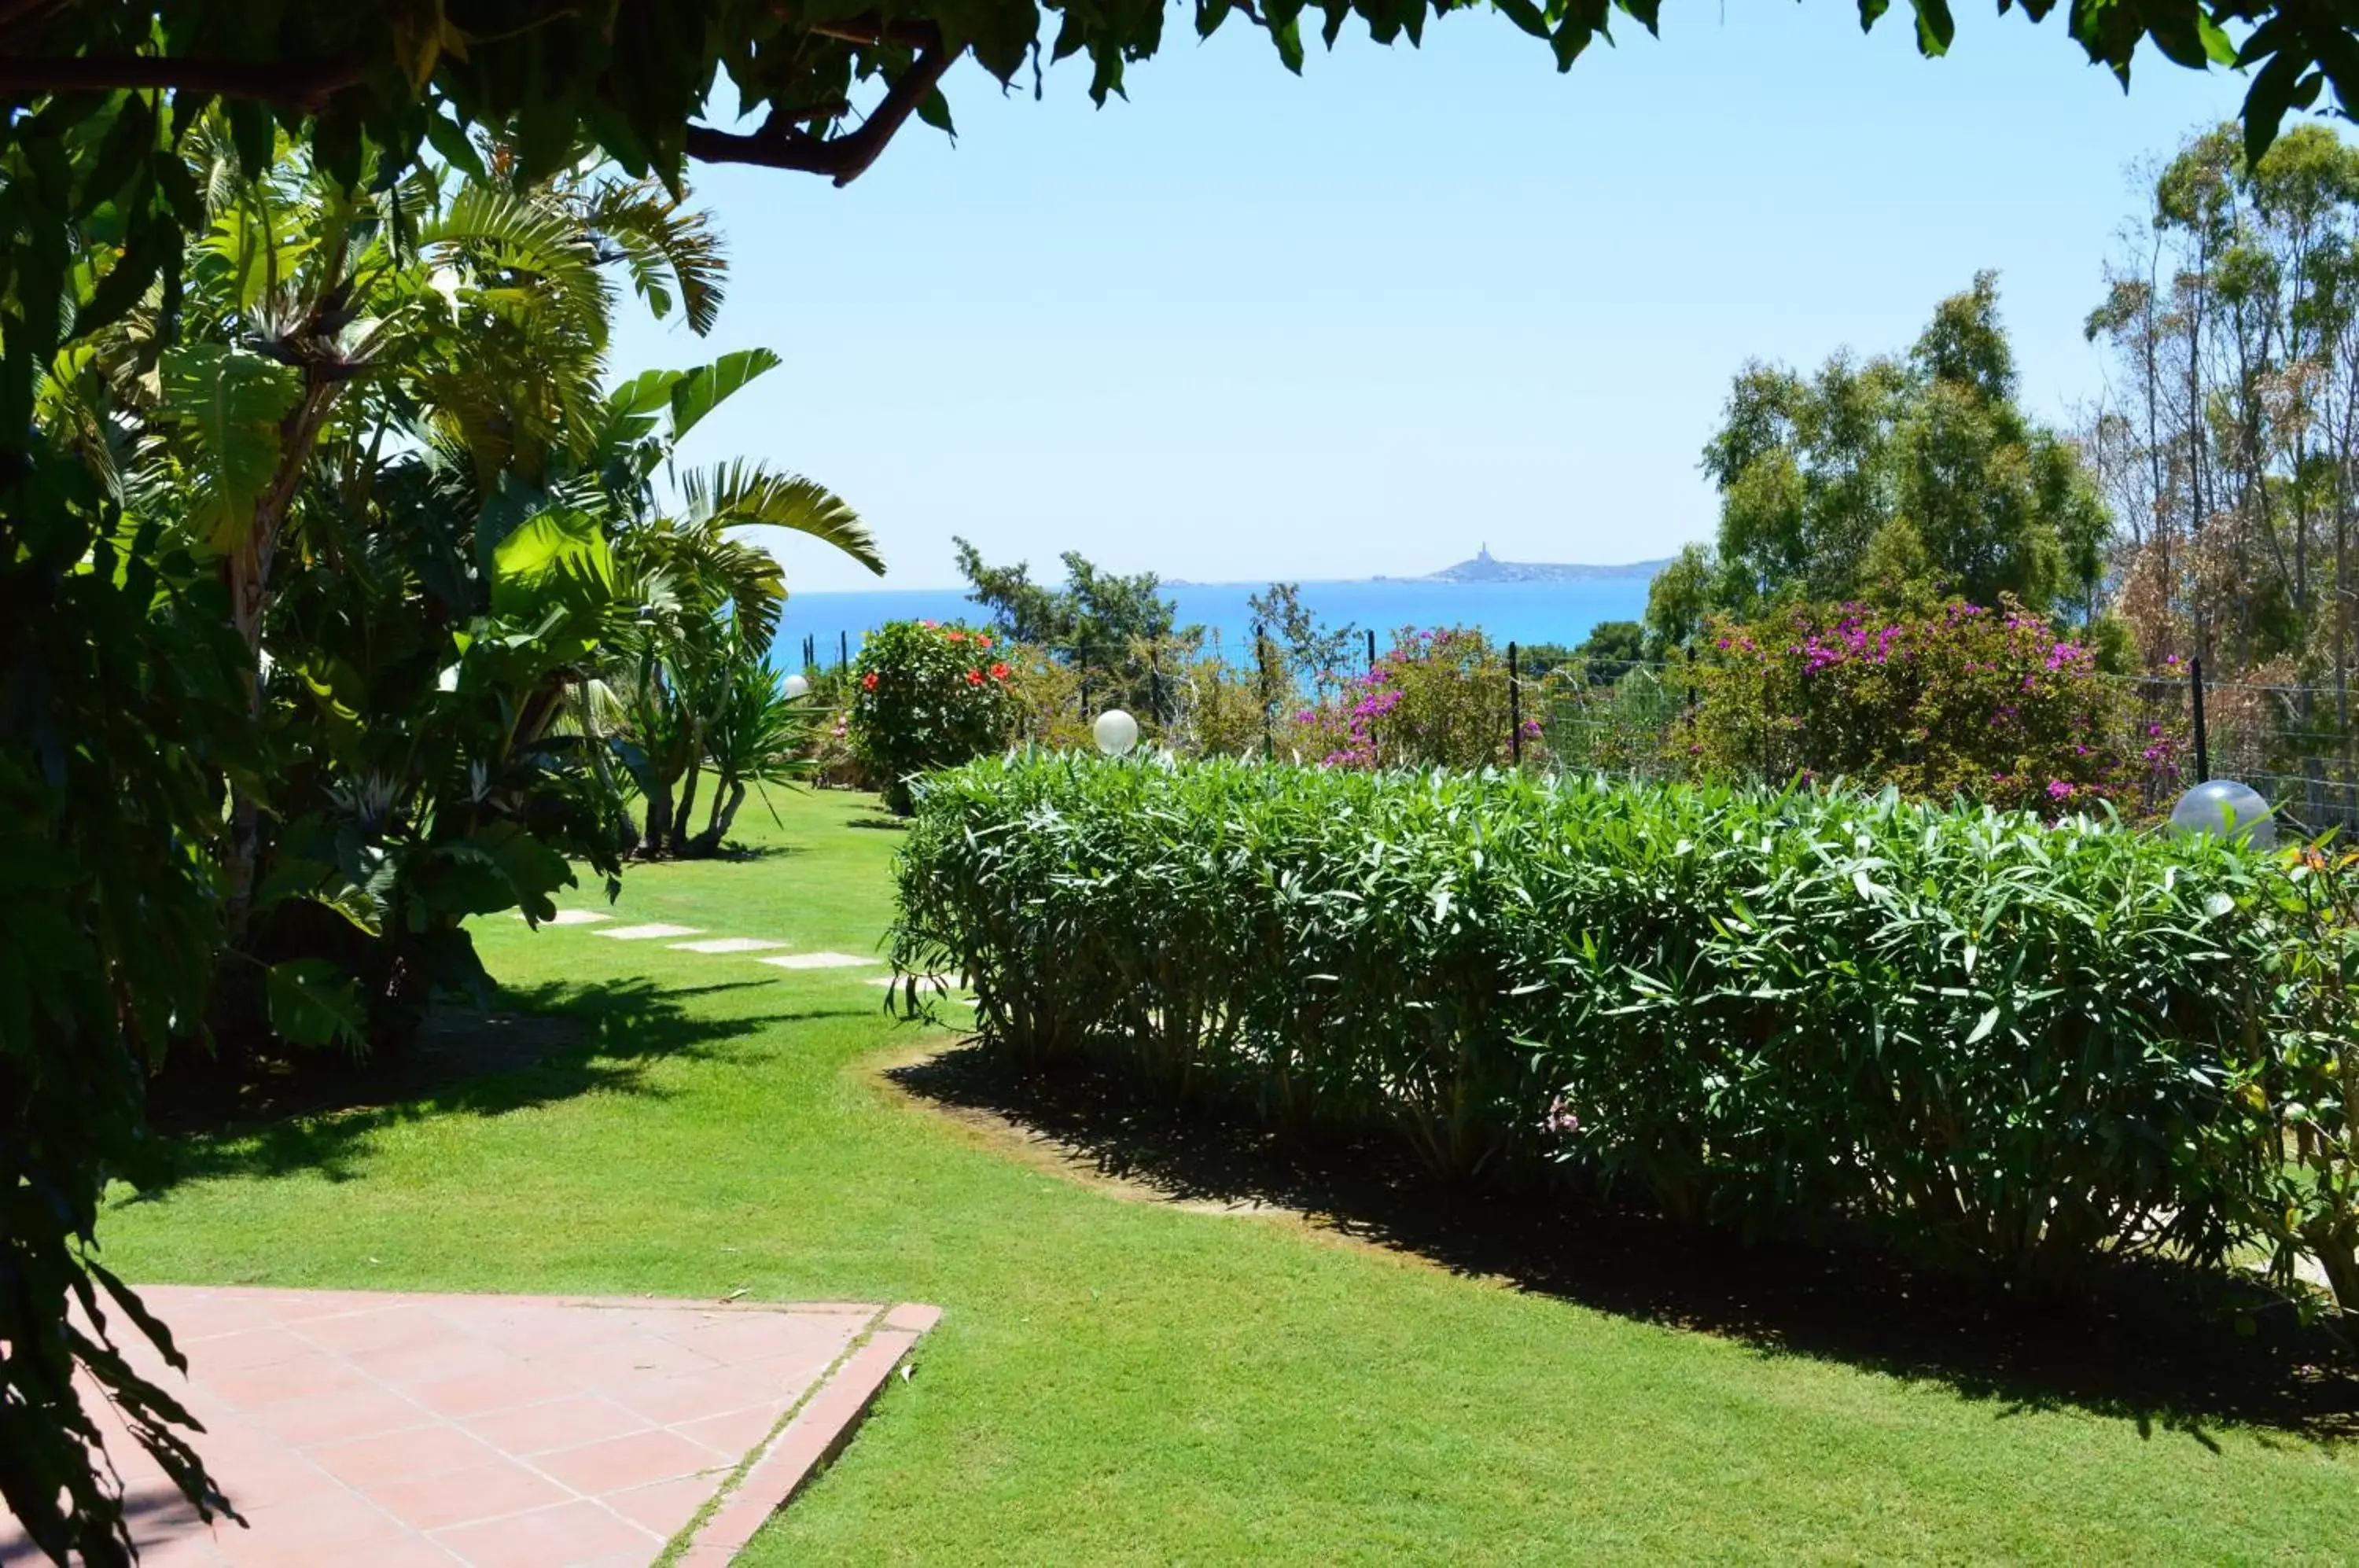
x: 1487, y: 568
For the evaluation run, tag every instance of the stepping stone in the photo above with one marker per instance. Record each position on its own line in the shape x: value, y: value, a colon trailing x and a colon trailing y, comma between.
x: 935, y: 982
x: 648, y: 933
x: 575, y: 917
x: 815, y: 960
x: 725, y: 944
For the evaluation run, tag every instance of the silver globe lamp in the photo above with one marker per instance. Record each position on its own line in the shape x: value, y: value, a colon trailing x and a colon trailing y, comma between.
x: 1115, y: 732
x: 2223, y: 806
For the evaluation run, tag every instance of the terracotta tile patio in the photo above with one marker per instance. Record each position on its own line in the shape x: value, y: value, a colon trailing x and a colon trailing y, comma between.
x: 379, y: 1431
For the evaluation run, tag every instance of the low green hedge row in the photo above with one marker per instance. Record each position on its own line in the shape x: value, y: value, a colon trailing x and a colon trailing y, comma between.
x: 1994, y: 1043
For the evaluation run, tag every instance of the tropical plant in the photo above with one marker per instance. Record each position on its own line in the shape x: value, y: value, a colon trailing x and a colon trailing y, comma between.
x: 711, y: 599
x: 2005, y: 1048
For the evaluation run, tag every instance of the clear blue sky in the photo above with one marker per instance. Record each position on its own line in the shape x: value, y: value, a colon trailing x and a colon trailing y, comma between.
x: 1246, y: 326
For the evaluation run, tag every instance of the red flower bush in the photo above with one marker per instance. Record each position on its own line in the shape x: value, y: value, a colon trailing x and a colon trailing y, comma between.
x: 926, y: 701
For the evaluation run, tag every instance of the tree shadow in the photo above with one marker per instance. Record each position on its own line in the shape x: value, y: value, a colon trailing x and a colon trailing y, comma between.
x: 541, y: 1045
x: 2160, y: 1345
x: 880, y: 822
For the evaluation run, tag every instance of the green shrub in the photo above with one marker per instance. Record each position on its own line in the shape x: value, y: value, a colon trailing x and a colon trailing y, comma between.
x: 1997, y: 1045
x: 1952, y: 699
x: 924, y: 696
x: 1437, y: 697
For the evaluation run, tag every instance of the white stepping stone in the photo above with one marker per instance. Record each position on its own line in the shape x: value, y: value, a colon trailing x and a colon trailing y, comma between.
x: 574, y: 918
x: 816, y: 960
x: 935, y: 982
x: 648, y: 933
x: 725, y: 944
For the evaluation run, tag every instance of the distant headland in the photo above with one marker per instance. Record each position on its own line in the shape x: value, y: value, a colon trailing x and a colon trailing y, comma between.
x: 1488, y: 568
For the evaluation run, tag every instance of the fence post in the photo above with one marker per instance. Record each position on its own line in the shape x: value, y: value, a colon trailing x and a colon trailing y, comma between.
x: 1514, y: 707
x: 1371, y: 647
x: 2202, y: 741
x: 1261, y: 665
x: 843, y: 650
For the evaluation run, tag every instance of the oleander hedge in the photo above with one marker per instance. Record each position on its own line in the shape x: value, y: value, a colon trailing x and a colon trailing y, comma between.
x: 1999, y: 1044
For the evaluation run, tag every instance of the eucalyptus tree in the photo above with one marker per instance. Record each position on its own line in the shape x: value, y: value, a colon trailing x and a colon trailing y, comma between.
x: 1870, y: 477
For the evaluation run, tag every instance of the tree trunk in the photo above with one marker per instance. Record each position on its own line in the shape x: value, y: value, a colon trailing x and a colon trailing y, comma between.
x: 708, y: 842
x: 686, y: 812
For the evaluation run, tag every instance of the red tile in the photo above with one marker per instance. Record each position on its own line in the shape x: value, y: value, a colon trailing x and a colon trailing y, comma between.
x: 486, y: 1491
x: 623, y: 1462
x: 224, y: 1353
x: 321, y: 1524
x: 734, y: 1433
x: 570, y: 1536
x: 337, y: 1465
x: 334, y: 1418
x: 371, y: 1462
x: 415, y: 1362
x: 500, y: 1388
x: 757, y: 1336
x: 716, y: 1392
x: 568, y: 1422
x: 668, y: 1506
x: 377, y: 1329
x: 913, y: 1318
x: 306, y: 1376
x: 624, y: 1362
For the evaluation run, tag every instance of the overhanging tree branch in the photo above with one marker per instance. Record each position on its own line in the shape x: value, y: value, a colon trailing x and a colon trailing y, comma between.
x: 304, y: 85
x: 842, y: 159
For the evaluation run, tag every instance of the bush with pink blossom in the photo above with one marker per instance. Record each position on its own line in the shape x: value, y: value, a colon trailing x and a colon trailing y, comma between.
x: 1995, y: 704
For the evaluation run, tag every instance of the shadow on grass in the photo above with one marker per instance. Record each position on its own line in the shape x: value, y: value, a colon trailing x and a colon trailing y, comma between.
x: 2150, y: 1344
x: 880, y: 822
x: 543, y: 1044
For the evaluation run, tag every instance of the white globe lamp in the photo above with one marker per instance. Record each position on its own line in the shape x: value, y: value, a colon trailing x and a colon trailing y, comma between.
x: 1115, y: 732
x: 797, y: 688
x: 2224, y: 807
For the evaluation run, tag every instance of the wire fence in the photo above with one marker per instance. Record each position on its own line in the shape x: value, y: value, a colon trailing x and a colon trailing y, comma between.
x: 2294, y: 743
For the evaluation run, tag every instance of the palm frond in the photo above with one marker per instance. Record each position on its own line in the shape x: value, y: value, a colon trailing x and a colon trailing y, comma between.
x: 747, y: 495
x: 666, y: 245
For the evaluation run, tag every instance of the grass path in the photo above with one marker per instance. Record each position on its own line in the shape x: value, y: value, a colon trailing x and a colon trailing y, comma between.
x: 1119, y: 1382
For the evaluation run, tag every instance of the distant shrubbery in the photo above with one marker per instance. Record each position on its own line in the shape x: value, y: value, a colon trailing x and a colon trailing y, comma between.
x: 1437, y: 697
x: 1953, y: 700
x: 1941, y: 700
x: 1994, y: 1044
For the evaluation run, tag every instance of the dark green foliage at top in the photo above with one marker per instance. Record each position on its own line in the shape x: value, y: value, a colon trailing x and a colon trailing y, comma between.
x: 1998, y: 1046
x: 1095, y: 614
x: 1869, y: 480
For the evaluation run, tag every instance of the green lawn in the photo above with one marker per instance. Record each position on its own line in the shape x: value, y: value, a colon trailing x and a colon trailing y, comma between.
x: 1117, y: 1381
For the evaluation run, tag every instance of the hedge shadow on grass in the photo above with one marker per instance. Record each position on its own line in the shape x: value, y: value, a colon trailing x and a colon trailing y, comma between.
x: 2149, y: 1342
x: 541, y: 1045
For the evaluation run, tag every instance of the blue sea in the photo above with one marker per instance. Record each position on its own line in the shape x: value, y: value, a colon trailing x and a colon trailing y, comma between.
x: 1508, y: 612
